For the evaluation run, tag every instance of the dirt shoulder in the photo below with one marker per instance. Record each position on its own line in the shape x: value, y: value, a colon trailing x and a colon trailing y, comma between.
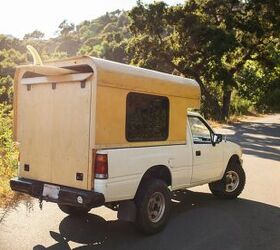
x: 245, y: 118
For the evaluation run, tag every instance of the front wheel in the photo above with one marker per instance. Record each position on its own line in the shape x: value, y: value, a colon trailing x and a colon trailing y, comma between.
x: 74, y: 211
x: 153, y: 202
x: 232, y: 183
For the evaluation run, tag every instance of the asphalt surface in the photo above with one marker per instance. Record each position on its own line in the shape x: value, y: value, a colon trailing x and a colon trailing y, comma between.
x: 198, y: 220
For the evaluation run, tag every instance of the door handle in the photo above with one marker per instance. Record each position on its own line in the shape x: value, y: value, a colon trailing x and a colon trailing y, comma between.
x: 198, y: 153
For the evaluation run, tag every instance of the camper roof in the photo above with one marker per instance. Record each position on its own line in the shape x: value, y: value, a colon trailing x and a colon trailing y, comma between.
x: 136, y: 78
x: 130, y: 77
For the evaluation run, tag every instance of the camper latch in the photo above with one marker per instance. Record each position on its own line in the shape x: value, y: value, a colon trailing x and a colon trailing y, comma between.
x: 83, y: 84
x: 79, y: 176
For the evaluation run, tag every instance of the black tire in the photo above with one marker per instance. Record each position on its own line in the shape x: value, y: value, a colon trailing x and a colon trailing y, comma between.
x: 74, y: 211
x: 147, y: 193
x: 219, y: 188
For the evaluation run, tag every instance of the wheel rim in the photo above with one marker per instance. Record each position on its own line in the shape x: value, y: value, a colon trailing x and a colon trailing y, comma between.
x: 232, y: 181
x: 156, y: 207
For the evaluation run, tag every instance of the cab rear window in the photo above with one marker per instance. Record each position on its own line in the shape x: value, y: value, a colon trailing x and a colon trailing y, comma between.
x: 147, y: 117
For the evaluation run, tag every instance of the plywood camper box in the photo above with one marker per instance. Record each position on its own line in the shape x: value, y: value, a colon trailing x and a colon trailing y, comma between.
x: 67, y: 109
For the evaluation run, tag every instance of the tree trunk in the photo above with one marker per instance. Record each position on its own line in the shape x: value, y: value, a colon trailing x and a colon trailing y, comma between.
x: 226, y: 104
x: 211, y: 103
x: 211, y: 106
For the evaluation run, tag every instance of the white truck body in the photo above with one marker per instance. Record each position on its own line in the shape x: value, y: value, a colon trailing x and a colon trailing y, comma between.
x: 127, y: 166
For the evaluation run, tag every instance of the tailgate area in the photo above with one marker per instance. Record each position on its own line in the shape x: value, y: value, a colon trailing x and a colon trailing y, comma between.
x: 53, y: 129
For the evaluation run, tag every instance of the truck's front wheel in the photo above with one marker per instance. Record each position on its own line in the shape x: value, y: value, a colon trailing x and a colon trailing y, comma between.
x: 153, y: 202
x: 232, y: 183
x: 74, y: 211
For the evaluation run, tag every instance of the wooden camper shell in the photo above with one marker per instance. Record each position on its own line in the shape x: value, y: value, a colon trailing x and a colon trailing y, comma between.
x: 110, y: 83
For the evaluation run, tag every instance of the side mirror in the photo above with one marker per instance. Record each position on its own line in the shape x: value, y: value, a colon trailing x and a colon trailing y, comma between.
x: 216, y: 138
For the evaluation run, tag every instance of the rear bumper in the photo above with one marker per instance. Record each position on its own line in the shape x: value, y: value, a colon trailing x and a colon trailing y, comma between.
x: 66, y: 195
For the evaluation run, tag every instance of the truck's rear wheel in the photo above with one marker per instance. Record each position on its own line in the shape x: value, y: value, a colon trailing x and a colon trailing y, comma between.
x: 74, y: 211
x: 232, y: 183
x: 153, y: 202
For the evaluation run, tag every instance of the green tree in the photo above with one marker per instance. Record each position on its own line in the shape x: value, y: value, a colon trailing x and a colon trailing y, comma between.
x: 9, y: 58
x: 65, y: 28
x: 210, y: 41
x: 36, y: 34
x: 106, y: 36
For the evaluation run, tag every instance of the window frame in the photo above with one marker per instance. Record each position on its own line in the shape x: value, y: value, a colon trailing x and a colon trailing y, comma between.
x: 150, y: 139
x: 206, y: 125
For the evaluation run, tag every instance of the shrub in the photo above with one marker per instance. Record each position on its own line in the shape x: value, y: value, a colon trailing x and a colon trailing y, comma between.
x: 8, y: 154
x: 241, y: 106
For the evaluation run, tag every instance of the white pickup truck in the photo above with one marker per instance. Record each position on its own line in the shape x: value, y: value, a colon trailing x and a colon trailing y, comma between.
x: 93, y: 132
x: 149, y: 174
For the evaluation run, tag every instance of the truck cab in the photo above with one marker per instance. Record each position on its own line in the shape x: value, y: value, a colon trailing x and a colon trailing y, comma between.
x: 206, y: 144
x: 92, y: 132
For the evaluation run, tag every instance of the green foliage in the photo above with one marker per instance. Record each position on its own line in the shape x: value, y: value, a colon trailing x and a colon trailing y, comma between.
x: 106, y: 36
x: 8, y: 152
x: 6, y: 89
x: 241, y: 106
x: 260, y: 82
x: 210, y: 41
x: 9, y: 59
x: 36, y: 34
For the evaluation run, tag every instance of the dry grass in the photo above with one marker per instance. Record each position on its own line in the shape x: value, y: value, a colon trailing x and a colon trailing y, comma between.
x: 7, y: 196
x: 234, y: 119
x: 12, y: 202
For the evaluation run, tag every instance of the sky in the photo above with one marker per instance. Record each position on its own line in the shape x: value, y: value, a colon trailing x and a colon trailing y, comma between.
x: 19, y: 17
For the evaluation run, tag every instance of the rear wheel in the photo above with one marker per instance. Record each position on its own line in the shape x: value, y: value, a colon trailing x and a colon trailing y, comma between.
x: 153, y: 202
x: 232, y: 183
x: 74, y: 211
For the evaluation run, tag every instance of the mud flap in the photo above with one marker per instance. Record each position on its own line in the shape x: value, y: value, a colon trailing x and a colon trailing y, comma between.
x: 127, y: 211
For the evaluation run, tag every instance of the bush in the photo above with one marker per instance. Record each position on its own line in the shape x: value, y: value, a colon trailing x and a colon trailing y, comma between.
x: 270, y: 101
x: 8, y: 154
x: 241, y: 106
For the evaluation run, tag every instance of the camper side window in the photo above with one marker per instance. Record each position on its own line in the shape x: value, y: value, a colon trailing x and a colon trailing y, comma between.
x: 147, y: 117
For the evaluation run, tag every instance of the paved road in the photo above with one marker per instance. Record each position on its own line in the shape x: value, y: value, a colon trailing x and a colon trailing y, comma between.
x: 198, y: 221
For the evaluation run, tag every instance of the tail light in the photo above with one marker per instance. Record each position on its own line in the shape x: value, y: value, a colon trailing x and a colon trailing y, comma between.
x: 101, y: 166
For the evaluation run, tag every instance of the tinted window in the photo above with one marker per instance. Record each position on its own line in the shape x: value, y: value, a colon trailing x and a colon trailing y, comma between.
x: 147, y: 117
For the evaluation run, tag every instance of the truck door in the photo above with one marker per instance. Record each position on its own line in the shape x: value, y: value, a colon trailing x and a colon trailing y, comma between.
x: 207, y: 159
